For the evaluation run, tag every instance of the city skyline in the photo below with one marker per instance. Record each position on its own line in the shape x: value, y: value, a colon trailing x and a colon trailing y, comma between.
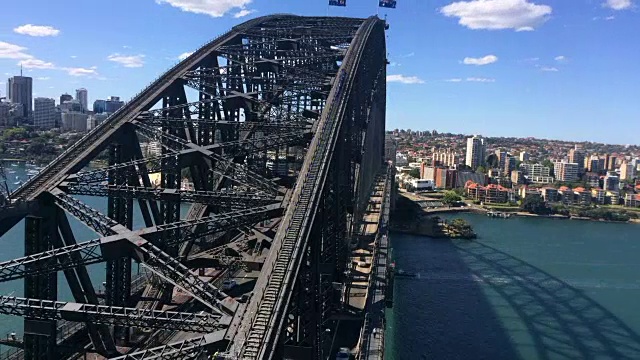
x: 548, y: 69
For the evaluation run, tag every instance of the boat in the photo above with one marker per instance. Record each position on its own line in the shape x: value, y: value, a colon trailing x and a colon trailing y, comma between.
x: 17, y: 183
x: 496, y: 214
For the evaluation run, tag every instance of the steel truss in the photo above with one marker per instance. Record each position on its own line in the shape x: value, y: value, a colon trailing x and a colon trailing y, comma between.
x: 287, y: 126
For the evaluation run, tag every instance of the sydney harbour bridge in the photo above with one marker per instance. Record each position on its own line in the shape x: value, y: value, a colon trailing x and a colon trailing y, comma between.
x: 279, y: 126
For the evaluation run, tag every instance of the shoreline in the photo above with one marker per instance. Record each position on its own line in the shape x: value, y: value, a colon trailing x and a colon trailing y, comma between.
x: 524, y: 215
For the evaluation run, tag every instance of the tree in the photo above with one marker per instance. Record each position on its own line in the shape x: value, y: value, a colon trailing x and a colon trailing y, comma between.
x: 450, y: 198
x: 534, y: 204
x: 481, y: 169
x: 415, y: 173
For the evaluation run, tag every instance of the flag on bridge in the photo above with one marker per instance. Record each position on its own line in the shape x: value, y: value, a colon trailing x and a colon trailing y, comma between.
x: 387, y: 4
x: 337, y: 2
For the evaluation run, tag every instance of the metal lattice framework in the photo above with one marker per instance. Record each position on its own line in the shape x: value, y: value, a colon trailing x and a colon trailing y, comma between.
x: 272, y: 133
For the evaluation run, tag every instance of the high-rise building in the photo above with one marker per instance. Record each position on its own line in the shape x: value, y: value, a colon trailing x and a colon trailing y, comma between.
x: 65, y: 97
x: 524, y: 156
x: 611, y: 182
x: 10, y: 113
x: 596, y: 164
x: 82, y: 95
x: 627, y: 171
x: 509, y: 165
x: 576, y: 155
x: 611, y: 164
x: 20, y: 91
x: 113, y: 104
x: 444, y: 157
x: 100, y: 106
x: 566, y: 172
x: 74, y: 121
x: 476, y: 149
x: 44, y: 113
x: 73, y: 105
x: 535, y: 170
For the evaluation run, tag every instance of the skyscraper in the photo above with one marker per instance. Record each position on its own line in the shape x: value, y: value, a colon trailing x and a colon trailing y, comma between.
x: 82, y: 96
x: 44, y: 113
x: 99, y: 106
x: 475, y: 151
x: 113, y: 104
x: 20, y: 91
x: 65, y: 97
x: 576, y: 155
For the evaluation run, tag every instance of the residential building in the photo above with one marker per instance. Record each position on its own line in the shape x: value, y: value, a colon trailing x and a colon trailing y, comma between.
x: 525, y: 191
x: 20, y: 91
x: 509, y: 165
x: 445, y: 178
x: 65, y: 97
x: 592, y: 179
x: 74, y: 121
x: 577, y: 156
x: 566, y: 172
x: 582, y: 196
x: 113, y: 104
x: 502, y: 157
x: 611, y: 162
x: 82, y: 95
x: 535, y: 170
x: 517, y: 177
x: 427, y: 172
x: 494, y: 173
x: 445, y: 157
x: 476, y: 149
x: 596, y: 164
x: 541, y: 179
x: 490, y: 194
x: 627, y: 171
x: 632, y: 200
x: 44, y: 113
x: 565, y: 195
x: 598, y: 196
x: 95, y: 120
x: 612, y: 197
x: 550, y: 194
x: 611, y: 182
x: 524, y: 156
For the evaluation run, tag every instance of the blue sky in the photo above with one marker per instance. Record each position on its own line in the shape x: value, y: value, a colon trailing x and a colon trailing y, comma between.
x: 564, y: 69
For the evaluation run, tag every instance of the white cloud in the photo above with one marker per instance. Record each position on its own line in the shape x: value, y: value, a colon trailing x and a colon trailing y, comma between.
x: 618, y: 4
x: 43, y: 78
x: 214, y: 8
x: 37, y: 30
x: 454, y: 80
x: 519, y: 15
x: 184, y: 55
x: 549, y: 69
x: 130, y: 61
x: 12, y: 51
x: 477, y: 79
x: 608, y: 18
x: 74, y: 56
x: 407, y: 55
x: 489, y: 59
x: 560, y: 58
x: 33, y: 63
x: 404, y: 79
x: 79, y: 71
x: 242, y: 13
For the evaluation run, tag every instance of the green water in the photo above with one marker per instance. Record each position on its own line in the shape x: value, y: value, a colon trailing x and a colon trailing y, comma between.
x: 526, y: 289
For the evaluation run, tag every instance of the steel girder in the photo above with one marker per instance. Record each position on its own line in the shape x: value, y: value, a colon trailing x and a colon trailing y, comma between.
x: 276, y: 71
x: 187, y: 349
x: 111, y: 315
x: 227, y: 199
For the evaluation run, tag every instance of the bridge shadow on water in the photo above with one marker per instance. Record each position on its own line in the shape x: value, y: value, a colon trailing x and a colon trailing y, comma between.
x: 561, y: 320
x: 477, y: 302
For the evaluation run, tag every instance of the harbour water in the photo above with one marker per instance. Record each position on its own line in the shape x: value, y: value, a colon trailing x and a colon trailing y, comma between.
x: 528, y: 288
